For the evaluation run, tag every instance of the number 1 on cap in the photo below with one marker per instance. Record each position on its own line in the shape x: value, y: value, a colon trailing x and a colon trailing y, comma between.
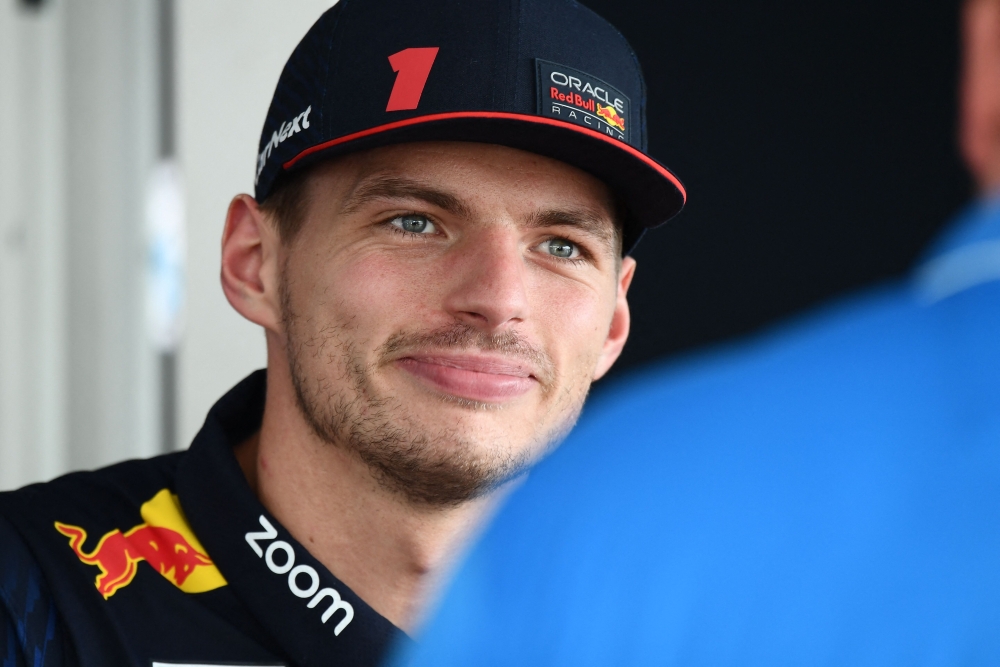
x: 413, y: 66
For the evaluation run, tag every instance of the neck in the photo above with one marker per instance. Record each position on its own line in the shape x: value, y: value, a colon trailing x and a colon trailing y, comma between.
x: 388, y: 551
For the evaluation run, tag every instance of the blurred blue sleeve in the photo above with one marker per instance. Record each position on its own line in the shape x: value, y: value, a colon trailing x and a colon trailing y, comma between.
x: 30, y: 630
x: 10, y: 651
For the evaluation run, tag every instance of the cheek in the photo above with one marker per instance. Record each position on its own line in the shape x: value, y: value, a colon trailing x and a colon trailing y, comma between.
x: 368, y: 294
x: 576, y: 319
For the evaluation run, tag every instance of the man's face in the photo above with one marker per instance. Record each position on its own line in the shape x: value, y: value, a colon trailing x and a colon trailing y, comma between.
x: 445, y: 307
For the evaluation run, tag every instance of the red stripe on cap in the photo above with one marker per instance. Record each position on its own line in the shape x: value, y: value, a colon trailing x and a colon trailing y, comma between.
x: 541, y: 120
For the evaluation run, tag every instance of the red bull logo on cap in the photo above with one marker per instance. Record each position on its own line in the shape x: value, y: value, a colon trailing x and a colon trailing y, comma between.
x: 610, y: 116
x: 165, y: 541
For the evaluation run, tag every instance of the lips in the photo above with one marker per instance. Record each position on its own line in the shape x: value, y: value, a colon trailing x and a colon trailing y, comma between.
x: 482, y: 378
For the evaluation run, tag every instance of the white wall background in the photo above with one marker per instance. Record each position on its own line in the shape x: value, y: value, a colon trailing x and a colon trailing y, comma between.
x: 79, y: 373
x: 33, y: 442
x: 230, y: 53
x: 78, y: 385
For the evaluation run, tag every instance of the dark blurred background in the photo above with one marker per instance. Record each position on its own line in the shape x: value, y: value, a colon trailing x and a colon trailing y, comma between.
x: 817, y: 142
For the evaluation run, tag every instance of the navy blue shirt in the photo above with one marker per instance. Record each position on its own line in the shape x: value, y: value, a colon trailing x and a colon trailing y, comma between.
x: 172, y: 561
x: 826, y: 494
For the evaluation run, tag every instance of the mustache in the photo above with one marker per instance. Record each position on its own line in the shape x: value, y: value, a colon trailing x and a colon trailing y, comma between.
x: 461, y: 336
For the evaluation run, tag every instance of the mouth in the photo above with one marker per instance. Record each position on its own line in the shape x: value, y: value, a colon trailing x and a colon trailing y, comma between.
x: 474, y: 377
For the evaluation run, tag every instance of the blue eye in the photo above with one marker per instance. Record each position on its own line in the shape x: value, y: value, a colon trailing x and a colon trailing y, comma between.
x: 562, y: 248
x: 414, y: 224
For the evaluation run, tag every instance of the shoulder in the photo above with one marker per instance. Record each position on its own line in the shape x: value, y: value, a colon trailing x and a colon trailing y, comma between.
x: 43, y: 528
x: 880, y: 389
x: 123, y: 484
x: 884, y: 358
x: 94, y: 502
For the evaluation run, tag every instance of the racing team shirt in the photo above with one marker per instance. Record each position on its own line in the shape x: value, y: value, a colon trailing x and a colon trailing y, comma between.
x: 172, y: 561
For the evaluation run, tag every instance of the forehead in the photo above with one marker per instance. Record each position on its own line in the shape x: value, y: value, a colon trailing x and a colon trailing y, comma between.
x: 482, y: 176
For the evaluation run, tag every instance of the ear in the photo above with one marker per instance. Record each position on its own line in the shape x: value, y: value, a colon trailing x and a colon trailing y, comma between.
x: 621, y: 320
x: 980, y: 114
x: 250, y: 260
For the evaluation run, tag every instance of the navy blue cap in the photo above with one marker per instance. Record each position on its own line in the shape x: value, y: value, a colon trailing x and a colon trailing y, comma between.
x: 546, y: 76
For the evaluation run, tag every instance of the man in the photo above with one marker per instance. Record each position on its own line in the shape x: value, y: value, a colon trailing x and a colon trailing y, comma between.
x: 437, y: 251
x: 828, y: 494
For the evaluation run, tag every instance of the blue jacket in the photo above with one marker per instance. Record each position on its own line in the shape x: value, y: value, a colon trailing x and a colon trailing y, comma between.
x: 827, y: 494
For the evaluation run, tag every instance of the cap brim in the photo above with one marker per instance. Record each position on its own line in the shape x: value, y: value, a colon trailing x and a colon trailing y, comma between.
x: 649, y: 190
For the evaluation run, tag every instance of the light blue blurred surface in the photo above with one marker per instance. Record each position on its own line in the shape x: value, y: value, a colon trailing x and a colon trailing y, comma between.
x: 827, y: 494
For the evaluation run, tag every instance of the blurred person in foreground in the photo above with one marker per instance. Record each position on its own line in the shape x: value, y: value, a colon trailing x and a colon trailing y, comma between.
x: 437, y: 252
x: 827, y: 494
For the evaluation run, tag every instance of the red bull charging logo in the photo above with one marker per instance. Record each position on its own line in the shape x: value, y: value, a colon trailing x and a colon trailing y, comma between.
x: 165, y: 541
x: 610, y: 116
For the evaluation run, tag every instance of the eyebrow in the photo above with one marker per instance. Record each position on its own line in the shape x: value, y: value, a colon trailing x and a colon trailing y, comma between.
x: 393, y: 187
x: 596, y: 224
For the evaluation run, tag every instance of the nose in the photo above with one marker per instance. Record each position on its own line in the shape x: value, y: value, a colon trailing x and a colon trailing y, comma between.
x: 488, y: 286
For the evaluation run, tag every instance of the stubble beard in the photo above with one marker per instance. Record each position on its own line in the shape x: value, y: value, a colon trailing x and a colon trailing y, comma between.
x: 439, y: 468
